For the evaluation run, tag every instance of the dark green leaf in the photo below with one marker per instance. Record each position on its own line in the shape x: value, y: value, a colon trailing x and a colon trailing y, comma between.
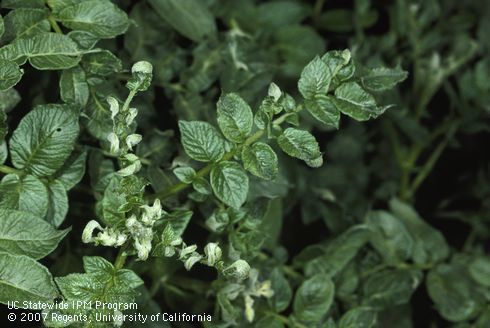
x: 382, y: 78
x: 359, y: 317
x: 313, y: 298
x: 191, y: 18
x: 429, y: 243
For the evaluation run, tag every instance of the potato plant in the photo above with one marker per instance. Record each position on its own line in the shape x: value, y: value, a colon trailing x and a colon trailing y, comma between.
x: 214, y: 163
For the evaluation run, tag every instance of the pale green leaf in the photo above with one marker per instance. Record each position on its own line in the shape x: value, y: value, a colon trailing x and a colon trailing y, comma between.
x: 74, y: 87
x: 24, y: 233
x: 24, y: 279
x: 230, y: 183
x: 202, y: 186
x: 185, y: 174
x: 191, y: 18
x: 235, y: 117
x: 315, y: 79
x: 301, y: 144
x: 47, y: 51
x: 359, y: 317
x: 355, y: 102
x: 10, y: 74
x: 57, y: 203
x: 201, y: 141
x: 261, y: 160
x: 44, y: 139
x: 313, y: 298
x: 101, y: 18
x: 383, y: 78
x: 324, y: 110
x: 26, y: 194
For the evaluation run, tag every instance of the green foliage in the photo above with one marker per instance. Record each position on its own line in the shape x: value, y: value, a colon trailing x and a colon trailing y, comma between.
x: 191, y: 156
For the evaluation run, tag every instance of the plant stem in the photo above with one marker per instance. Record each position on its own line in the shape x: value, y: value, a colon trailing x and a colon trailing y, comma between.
x: 9, y: 170
x: 317, y: 10
x: 55, y: 25
x: 429, y: 165
x: 121, y: 258
x: 131, y: 95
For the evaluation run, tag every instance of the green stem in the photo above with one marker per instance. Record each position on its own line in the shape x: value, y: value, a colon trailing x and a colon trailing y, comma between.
x: 121, y: 258
x: 429, y: 165
x: 9, y: 170
x: 131, y: 95
x: 55, y: 25
x: 317, y: 10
